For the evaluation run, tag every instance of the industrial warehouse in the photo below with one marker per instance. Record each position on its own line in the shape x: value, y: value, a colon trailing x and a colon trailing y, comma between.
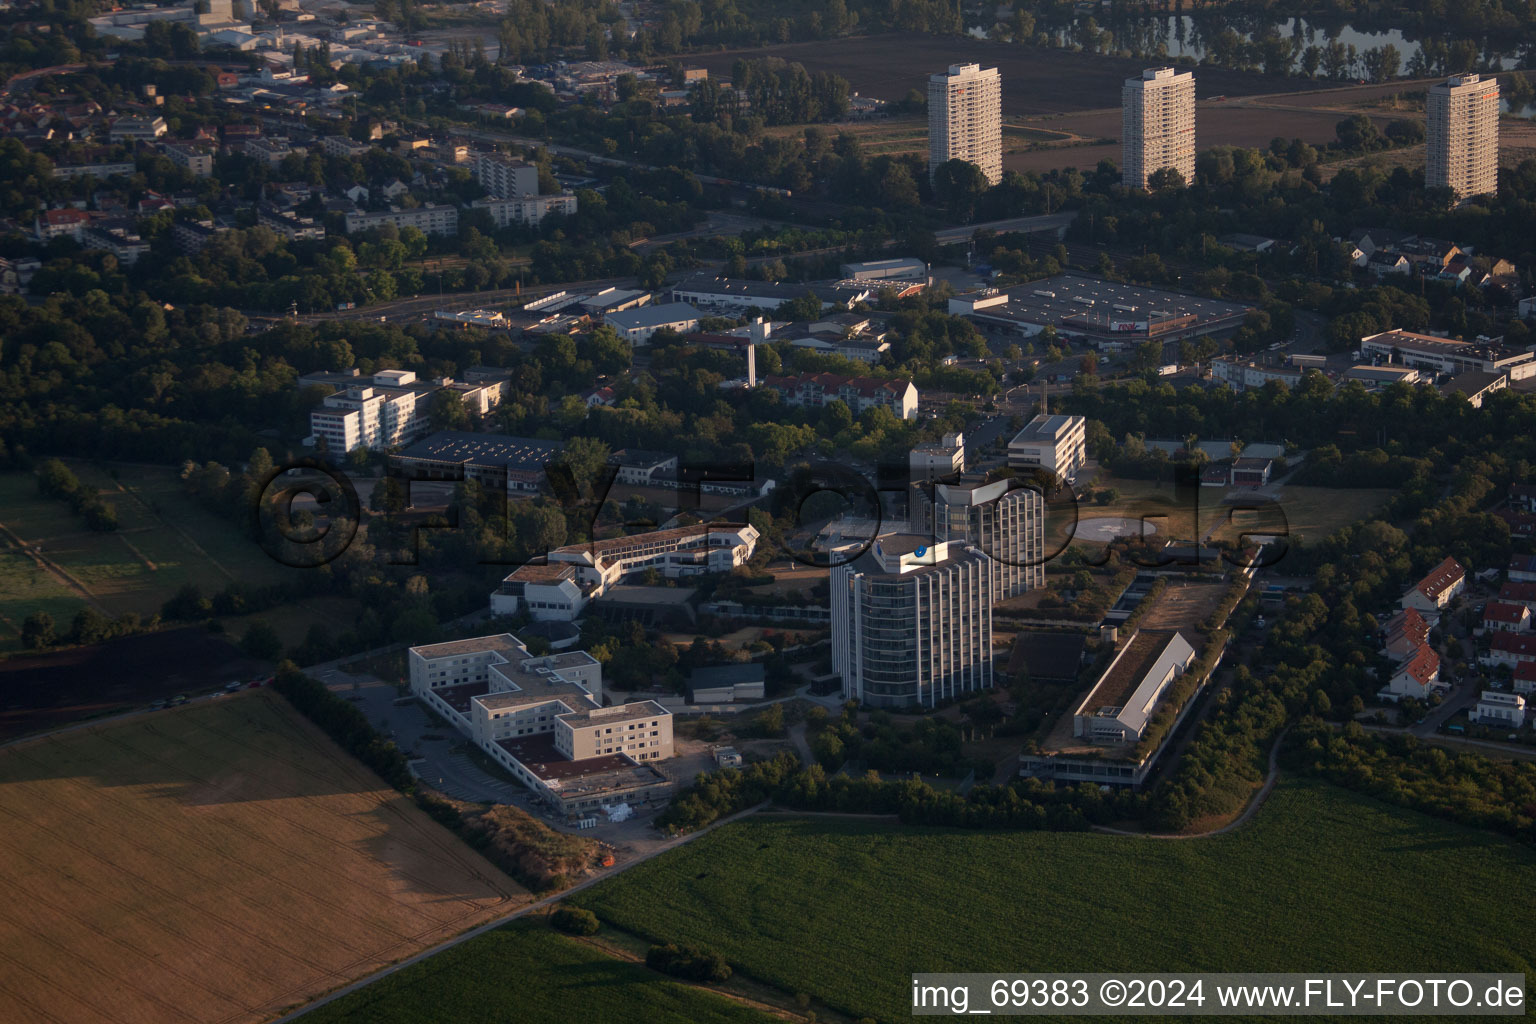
x: 1098, y: 311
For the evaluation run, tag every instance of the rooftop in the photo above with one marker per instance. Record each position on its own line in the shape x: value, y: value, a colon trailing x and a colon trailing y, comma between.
x: 504, y: 643
x: 1117, y: 685
x: 1046, y: 427
x: 608, y: 716
x: 606, y: 773
x: 489, y: 450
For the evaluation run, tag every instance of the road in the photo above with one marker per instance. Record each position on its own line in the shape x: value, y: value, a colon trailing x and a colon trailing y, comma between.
x: 1463, y: 695
x: 1057, y: 222
x: 542, y: 904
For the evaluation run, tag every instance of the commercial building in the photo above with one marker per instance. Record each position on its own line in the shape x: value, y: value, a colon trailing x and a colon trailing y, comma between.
x: 639, y: 467
x: 559, y: 587
x: 637, y: 325
x: 1122, y: 702
x: 965, y: 119
x: 1054, y: 443
x: 1004, y: 522
x: 390, y: 409
x: 506, y: 177
x: 527, y: 210
x: 1462, y: 136
x: 1430, y: 596
x: 724, y: 293
x: 722, y: 684
x: 1242, y: 374
x: 429, y: 219
x: 137, y: 129
x: 905, y: 268
x: 933, y: 461
x: 1500, y: 710
x: 1105, y: 313
x: 1157, y: 126
x: 493, y: 460
x: 1448, y: 355
x: 912, y: 622
x: 815, y: 390
x: 542, y: 719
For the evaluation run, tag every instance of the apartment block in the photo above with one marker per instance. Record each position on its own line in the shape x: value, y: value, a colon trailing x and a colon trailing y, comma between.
x: 198, y: 161
x: 1157, y: 121
x: 506, y: 178
x: 858, y: 393
x: 912, y: 622
x: 527, y: 210
x: 429, y: 219
x: 1462, y: 145
x: 965, y: 119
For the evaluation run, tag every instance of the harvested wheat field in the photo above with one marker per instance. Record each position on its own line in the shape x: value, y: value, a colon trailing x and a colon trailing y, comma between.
x: 215, y: 863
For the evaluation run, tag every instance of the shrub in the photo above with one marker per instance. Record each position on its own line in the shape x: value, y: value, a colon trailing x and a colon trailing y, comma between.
x: 688, y: 962
x: 574, y: 921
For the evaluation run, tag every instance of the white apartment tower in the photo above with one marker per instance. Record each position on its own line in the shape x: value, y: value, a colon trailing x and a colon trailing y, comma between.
x: 912, y: 622
x: 965, y: 119
x: 1157, y: 116
x: 1463, y: 136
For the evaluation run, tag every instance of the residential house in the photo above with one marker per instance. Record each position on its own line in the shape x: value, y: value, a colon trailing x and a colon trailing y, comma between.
x: 1507, y: 616
x: 1522, y: 568
x: 1436, y: 590
x: 1404, y: 633
x: 1511, y: 648
x: 1500, y: 710
x: 815, y: 390
x: 1417, y: 677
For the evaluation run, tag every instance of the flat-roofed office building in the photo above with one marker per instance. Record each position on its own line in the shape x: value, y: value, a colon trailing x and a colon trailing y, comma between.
x: 1007, y: 523
x: 1055, y: 443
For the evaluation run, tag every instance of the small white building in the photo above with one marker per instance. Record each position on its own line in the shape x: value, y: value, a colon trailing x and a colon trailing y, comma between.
x: 1502, y: 710
x: 1056, y: 444
x: 1417, y: 677
x: 637, y: 325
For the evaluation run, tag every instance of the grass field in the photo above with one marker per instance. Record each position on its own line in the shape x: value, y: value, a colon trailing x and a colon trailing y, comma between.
x: 548, y: 977
x: 1321, y: 880
x: 164, y: 541
x: 216, y: 863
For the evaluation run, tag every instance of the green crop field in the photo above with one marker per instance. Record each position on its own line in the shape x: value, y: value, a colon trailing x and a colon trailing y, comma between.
x: 530, y: 973
x: 1321, y: 880
x: 164, y: 540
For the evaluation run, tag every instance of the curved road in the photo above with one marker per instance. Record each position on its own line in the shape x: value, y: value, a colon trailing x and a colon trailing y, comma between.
x: 1248, y: 812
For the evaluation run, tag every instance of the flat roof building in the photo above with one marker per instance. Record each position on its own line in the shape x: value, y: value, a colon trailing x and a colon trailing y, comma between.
x: 1054, y: 443
x: 1118, y: 708
x: 494, y: 460
x: 637, y: 325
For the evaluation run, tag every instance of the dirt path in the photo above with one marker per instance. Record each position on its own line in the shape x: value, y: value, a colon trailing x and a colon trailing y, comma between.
x: 1248, y: 812
x: 54, y: 569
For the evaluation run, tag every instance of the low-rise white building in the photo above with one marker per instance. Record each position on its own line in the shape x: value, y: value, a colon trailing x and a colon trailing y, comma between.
x: 1501, y: 710
x: 637, y: 325
x: 1240, y: 375
x: 1436, y: 590
x: 1119, y: 707
x: 815, y: 390
x: 527, y: 210
x: 932, y: 461
x: 1417, y: 677
x: 429, y: 219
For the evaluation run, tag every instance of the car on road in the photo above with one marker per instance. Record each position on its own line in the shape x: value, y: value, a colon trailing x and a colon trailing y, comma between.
x: 156, y: 705
x: 232, y: 686
x: 178, y: 700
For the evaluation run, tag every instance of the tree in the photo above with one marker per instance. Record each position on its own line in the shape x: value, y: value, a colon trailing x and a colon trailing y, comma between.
x: 1165, y: 179
x: 581, y: 466
x: 261, y: 641
x: 37, y: 631
x: 90, y: 627
x: 959, y: 184
x: 574, y: 921
x: 1356, y: 132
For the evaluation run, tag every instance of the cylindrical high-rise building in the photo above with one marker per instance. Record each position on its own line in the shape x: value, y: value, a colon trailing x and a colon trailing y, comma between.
x: 912, y: 623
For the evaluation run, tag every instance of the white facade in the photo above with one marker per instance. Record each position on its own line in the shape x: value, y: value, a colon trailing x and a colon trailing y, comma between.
x: 1053, y: 443
x: 506, y: 178
x: 637, y: 325
x: 815, y: 390
x: 1157, y: 125
x: 1502, y: 710
x: 965, y: 119
x: 1007, y: 525
x: 367, y: 417
x: 527, y: 210
x: 931, y: 461
x: 1462, y: 129
x: 912, y: 625
x: 429, y: 219
x: 198, y: 161
x: 1121, y: 704
x: 137, y: 129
